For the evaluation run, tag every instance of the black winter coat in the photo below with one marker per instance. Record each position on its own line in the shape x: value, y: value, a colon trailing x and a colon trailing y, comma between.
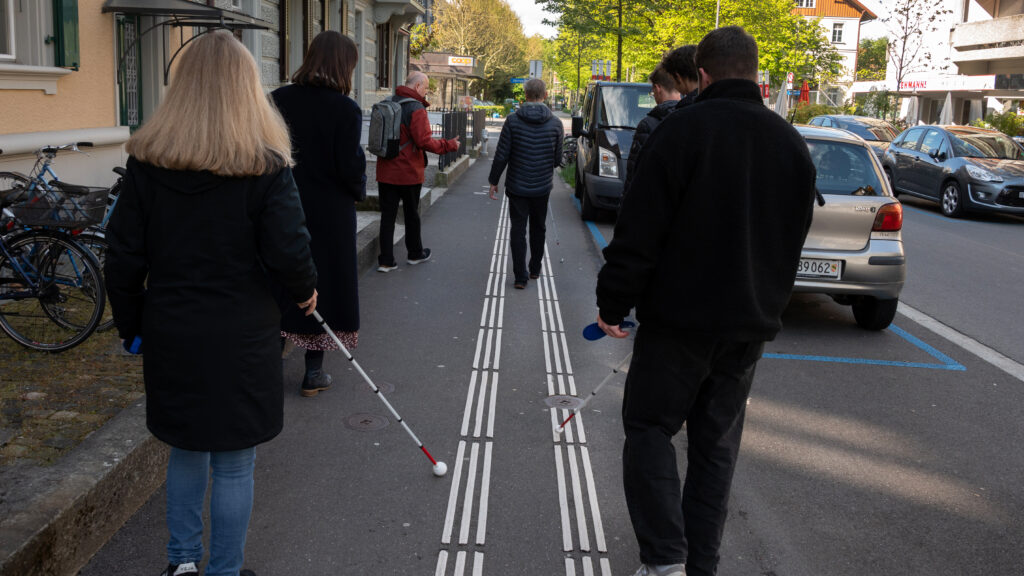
x: 330, y: 171
x: 643, y: 131
x: 188, y: 269
x: 709, y: 237
x: 530, y: 145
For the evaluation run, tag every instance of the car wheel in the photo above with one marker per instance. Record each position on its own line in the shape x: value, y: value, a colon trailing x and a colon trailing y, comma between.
x: 952, y: 200
x: 874, y: 314
x: 892, y: 183
x: 587, y: 209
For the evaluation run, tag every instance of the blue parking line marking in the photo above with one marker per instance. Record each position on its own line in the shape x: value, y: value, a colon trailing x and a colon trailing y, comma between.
x: 598, y: 237
x: 947, y: 363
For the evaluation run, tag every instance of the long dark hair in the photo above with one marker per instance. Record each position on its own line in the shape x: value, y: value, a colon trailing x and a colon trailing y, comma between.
x: 329, y: 62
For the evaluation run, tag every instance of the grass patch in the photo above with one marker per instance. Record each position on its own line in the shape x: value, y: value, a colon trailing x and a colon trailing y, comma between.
x: 568, y: 173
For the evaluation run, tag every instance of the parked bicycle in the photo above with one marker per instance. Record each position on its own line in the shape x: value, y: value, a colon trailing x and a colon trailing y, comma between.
x: 568, y: 150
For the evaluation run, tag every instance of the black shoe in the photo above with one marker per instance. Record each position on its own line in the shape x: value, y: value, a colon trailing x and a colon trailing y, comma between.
x: 186, y: 569
x: 519, y: 285
x: 315, y: 383
x: 424, y: 256
x: 534, y: 275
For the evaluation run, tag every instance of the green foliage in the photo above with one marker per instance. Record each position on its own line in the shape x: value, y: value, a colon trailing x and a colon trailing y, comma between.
x: 486, y: 29
x: 1007, y: 122
x: 804, y: 112
x: 871, y: 59
x: 879, y: 104
x: 491, y: 109
x: 421, y: 40
x: 568, y: 173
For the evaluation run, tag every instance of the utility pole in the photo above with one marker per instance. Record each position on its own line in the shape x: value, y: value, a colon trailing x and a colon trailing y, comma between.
x: 718, y: 7
x: 618, y: 66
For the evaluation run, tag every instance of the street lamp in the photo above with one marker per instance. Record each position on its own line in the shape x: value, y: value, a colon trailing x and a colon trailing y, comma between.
x: 718, y: 7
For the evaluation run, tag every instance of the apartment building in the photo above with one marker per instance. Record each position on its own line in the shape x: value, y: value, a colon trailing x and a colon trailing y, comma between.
x: 840, y: 21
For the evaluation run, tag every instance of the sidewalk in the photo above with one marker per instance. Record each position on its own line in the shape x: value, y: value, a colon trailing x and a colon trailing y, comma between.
x: 76, y: 460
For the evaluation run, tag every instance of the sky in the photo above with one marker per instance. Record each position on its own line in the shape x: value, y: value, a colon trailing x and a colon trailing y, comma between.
x: 531, y: 15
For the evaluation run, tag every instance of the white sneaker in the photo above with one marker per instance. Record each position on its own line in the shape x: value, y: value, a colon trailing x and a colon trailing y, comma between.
x: 667, y: 570
x: 385, y: 268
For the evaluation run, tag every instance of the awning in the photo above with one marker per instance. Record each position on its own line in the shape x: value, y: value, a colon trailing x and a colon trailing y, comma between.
x: 180, y: 14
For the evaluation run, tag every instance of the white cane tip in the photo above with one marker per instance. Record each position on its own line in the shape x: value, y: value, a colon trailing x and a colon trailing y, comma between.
x: 558, y: 430
x: 440, y: 469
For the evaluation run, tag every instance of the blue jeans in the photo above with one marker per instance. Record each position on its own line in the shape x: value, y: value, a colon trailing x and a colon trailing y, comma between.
x: 230, y: 507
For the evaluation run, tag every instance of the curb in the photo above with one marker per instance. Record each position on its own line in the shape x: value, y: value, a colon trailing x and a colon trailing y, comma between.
x: 56, y: 518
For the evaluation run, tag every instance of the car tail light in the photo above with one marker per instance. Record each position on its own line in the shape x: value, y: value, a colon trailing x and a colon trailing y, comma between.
x: 889, y: 218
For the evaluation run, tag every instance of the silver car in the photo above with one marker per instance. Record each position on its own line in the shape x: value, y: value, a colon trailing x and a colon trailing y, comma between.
x: 854, y: 249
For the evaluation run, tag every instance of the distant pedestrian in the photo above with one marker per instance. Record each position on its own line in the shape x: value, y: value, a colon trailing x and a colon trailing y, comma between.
x: 679, y: 63
x: 666, y: 95
x: 208, y: 215
x: 706, y: 249
x: 530, y: 145
x: 330, y: 171
x: 401, y: 178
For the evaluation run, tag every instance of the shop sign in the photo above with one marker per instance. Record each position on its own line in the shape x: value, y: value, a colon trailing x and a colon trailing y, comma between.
x: 460, y: 60
x: 947, y: 83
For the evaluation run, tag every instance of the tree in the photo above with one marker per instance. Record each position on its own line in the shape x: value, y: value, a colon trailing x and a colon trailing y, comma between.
x: 486, y: 29
x: 909, y: 21
x: 871, y: 59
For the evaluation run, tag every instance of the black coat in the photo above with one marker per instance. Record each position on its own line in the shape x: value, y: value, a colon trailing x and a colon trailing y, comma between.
x: 709, y: 236
x: 643, y: 131
x: 531, y: 145
x: 330, y: 170
x: 189, y: 267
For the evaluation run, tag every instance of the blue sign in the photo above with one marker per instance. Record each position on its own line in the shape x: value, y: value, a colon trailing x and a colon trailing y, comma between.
x: 519, y: 80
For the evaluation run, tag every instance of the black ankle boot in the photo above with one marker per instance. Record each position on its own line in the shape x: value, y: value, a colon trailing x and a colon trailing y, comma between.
x: 315, y: 382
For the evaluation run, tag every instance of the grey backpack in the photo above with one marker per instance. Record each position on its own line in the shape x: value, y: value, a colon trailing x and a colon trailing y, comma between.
x: 386, y: 127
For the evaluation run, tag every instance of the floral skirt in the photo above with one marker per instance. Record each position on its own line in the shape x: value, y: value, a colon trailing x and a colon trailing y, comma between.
x: 322, y: 341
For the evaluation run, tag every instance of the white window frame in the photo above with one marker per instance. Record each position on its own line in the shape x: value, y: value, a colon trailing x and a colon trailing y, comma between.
x: 837, y: 27
x: 30, y: 66
x: 805, y: 3
x: 8, y: 53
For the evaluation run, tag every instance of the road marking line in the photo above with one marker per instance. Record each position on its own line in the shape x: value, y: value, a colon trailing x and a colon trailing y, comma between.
x: 577, y: 499
x: 483, y: 312
x: 565, y: 346
x: 501, y: 312
x: 467, y: 502
x: 570, y: 567
x: 478, y: 564
x: 563, y: 504
x: 555, y: 351
x: 547, y: 353
x: 487, y: 349
x: 469, y: 404
x: 494, y: 399
x: 987, y: 354
x: 479, y: 343
x: 543, y: 320
x: 595, y: 510
x: 606, y: 567
x: 481, y: 397
x: 497, y: 353
x: 449, y: 519
x: 442, y: 563
x: 460, y: 563
x: 485, y: 490
x: 588, y: 566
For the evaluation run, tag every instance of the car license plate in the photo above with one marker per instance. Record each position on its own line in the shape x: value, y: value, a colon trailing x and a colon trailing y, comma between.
x: 811, y: 268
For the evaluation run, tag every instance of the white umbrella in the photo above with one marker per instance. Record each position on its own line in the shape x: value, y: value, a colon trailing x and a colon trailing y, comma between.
x: 782, y: 102
x: 912, y: 111
x: 946, y: 115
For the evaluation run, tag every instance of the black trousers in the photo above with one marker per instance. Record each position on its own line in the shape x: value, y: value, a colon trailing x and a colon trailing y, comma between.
x: 704, y: 383
x: 520, y: 210
x: 390, y: 195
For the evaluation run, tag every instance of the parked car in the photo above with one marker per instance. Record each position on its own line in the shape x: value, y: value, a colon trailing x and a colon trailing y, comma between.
x: 877, y: 133
x: 604, y: 131
x: 854, y: 249
x: 1019, y: 140
x: 963, y: 168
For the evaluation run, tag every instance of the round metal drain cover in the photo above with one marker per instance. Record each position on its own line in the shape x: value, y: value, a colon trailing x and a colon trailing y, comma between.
x: 366, y: 422
x: 563, y: 402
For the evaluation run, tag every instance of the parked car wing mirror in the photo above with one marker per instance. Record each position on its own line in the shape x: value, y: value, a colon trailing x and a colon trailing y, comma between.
x: 577, y: 126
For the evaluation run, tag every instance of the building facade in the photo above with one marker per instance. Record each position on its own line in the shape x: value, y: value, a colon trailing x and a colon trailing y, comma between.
x: 840, y: 21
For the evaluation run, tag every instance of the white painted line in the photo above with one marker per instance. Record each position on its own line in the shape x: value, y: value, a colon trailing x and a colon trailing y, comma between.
x: 478, y: 564
x: 494, y: 400
x: 551, y: 316
x: 579, y: 428
x: 442, y: 563
x: 1008, y: 365
x: 606, y: 567
x: 554, y: 292
x: 479, y: 342
x: 572, y: 384
x: 487, y: 349
x: 588, y: 566
x: 494, y: 310
x: 501, y: 312
x: 487, y: 292
x: 554, y: 423
x: 565, y: 349
x: 568, y: 428
x: 558, y: 312
x: 543, y: 317
x: 497, y: 352
x: 481, y: 397
x: 483, y: 312
x: 577, y: 497
x: 570, y: 567
x: 449, y: 518
x: 595, y: 510
x: 563, y: 504
x: 547, y: 353
x: 485, y: 488
x: 467, y: 502
x: 469, y: 404
x: 460, y: 563
x: 555, y: 352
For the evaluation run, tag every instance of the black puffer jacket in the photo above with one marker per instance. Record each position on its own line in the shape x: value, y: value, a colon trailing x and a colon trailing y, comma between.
x: 643, y: 130
x: 531, y: 146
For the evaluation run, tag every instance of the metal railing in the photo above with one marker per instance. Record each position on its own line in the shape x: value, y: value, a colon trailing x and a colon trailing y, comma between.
x: 451, y: 125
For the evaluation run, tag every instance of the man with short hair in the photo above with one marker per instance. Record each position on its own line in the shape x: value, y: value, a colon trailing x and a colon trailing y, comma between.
x: 680, y: 65
x: 400, y: 179
x: 706, y: 249
x: 666, y: 95
x: 530, y: 145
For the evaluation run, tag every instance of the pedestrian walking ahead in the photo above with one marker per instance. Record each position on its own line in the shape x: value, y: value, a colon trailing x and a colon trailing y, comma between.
x: 666, y: 95
x: 530, y: 145
x: 400, y: 179
x: 330, y: 171
x: 706, y: 249
x: 679, y: 63
x: 208, y: 215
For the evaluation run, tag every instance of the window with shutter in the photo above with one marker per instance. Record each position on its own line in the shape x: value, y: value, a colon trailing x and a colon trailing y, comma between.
x: 65, y: 33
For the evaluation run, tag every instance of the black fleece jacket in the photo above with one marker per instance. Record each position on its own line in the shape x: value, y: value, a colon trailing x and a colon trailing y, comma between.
x: 531, y: 145
x: 643, y: 132
x: 709, y: 236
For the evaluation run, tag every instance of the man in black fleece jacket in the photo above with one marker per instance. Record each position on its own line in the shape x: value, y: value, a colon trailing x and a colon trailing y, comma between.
x: 663, y: 88
x: 531, y: 146
x: 706, y: 248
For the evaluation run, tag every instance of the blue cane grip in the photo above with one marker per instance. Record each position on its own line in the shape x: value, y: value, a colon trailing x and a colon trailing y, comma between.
x: 594, y: 332
x: 135, y: 346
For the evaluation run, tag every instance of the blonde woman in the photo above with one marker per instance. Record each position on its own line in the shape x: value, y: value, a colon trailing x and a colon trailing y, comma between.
x: 209, y: 214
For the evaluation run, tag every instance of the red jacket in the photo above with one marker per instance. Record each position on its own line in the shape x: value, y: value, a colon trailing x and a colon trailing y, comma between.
x: 407, y: 167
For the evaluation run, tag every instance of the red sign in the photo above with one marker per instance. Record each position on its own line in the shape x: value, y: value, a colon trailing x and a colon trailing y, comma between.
x: 913, y: 85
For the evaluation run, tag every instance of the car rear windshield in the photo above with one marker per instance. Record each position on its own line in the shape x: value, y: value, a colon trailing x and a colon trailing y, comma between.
x: 985, y: 146
x: 877, y: 132
x: 845, y: 169
x: 625, y: 106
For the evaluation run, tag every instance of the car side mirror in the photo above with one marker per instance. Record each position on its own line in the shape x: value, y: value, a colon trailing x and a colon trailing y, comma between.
x: 577, y: 126
x: 939, y: 156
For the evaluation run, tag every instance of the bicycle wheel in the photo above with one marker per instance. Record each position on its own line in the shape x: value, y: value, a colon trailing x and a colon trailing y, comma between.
x: 12, y: 187
x: 96, y: 243
x: 51, y: 291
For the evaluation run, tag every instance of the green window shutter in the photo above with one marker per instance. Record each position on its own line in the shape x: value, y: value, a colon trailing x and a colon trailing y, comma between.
x: 65, y: 32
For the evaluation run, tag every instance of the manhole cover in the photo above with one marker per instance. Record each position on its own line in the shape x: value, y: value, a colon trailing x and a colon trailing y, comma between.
x: 563, y: 402
x: 365, y: 422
